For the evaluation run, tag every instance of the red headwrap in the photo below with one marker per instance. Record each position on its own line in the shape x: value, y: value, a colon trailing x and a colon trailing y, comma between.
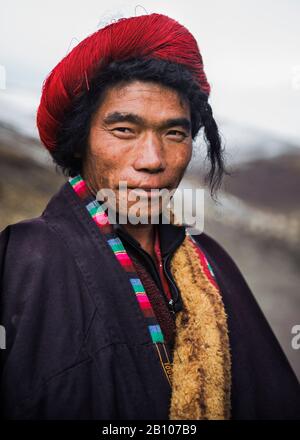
x: 154, y: 35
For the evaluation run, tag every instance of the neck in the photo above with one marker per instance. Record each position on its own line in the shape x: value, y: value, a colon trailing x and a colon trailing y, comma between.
x: 144, y: 234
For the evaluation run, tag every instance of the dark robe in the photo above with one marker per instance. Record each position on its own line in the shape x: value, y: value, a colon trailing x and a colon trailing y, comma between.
x: 77, y: 343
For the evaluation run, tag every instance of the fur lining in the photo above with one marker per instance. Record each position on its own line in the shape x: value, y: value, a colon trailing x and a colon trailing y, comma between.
x: 201, y: 372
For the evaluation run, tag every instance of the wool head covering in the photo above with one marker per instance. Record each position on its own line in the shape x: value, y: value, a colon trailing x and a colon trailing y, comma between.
x: 147, y: 36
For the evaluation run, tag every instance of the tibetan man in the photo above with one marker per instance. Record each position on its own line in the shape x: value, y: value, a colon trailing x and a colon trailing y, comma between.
x: 112, y: 308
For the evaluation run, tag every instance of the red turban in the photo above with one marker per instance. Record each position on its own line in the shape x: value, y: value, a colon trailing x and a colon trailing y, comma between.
x: 154, y: 35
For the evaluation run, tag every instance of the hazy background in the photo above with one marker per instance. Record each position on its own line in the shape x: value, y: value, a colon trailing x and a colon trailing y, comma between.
x: 251, y: 52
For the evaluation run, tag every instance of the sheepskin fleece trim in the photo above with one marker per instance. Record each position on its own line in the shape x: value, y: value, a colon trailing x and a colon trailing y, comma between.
x: 201, y: 371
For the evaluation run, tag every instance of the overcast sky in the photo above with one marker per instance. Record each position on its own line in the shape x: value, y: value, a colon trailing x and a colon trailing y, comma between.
x: 251, y: 49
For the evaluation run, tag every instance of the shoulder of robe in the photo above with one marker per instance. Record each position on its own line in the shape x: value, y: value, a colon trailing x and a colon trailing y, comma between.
x: 38, y: 272
x: 33, y: 262
x: 253, y: 342
x: 29, y: 242
x: 219, y: 258
x: 233, y: 284
x: 244, y: 312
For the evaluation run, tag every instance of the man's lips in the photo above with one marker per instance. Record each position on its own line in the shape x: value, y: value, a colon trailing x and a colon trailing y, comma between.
x: 147, y: 191
x: 147, y: 188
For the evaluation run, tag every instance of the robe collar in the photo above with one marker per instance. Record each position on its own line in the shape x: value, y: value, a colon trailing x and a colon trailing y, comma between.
x: 170, y: 237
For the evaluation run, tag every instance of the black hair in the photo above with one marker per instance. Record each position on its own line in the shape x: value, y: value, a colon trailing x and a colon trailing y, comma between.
x: 73, y: 134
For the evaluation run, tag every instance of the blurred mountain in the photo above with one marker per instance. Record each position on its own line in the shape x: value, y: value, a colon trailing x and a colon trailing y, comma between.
x: 244, y: 143
x: 270, y: 184
x: 259, y: 196
x: 27, y: 177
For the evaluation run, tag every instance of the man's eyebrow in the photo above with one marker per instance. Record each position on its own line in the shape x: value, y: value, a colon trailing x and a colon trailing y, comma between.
x: 115, y: 117
x: 177, y: 122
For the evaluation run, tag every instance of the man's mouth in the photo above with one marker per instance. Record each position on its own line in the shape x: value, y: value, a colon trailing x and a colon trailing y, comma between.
x: 148, y: 191
x: 147, y: 187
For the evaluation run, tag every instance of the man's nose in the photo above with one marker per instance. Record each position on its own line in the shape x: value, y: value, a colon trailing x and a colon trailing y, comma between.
x: 150, y: 154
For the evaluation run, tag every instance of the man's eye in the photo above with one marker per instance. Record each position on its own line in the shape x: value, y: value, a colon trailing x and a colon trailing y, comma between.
x: 122, y: 129
x: 177, y: 133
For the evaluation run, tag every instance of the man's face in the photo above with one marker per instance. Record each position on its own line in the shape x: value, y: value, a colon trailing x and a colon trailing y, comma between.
x: 141, y: 134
